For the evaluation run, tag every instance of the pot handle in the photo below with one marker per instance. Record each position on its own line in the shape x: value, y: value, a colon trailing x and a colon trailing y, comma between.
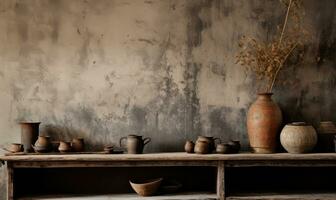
x: 146, y: 140
x: 220, y: 141
x: 120, y: 141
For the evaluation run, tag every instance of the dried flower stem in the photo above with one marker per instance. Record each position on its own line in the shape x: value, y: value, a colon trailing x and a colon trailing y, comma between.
x: 280, y: 66
x: 286, y: 20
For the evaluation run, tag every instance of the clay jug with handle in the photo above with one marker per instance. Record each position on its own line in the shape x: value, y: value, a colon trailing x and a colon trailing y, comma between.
x: 134, y: 143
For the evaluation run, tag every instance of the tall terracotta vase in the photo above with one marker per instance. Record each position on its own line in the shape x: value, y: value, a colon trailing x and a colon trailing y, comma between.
x: 264, y: 119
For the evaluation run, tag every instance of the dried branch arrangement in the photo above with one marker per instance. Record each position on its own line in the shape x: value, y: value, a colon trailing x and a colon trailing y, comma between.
x: 266, y: 59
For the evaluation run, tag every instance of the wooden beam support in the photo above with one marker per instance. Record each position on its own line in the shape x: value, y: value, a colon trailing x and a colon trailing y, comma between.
x: 10, y: 181
x: 221, y: 180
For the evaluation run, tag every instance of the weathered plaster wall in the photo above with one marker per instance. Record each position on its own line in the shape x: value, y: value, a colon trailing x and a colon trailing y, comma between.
x: 102, y: 69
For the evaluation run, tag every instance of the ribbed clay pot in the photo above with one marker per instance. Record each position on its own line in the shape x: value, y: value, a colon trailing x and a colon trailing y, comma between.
x: 264, y: 119
x: 298, y: 137
x: 326, y: 135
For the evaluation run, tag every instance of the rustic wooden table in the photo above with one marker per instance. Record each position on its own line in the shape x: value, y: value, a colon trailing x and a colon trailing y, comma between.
x: 220, y: 162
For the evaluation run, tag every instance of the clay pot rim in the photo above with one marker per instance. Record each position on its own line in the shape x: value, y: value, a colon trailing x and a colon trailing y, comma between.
x: 298, y: 124
x: 26, y: 122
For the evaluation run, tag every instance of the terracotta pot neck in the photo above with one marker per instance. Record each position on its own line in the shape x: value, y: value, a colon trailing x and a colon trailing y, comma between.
x: 265, y: 96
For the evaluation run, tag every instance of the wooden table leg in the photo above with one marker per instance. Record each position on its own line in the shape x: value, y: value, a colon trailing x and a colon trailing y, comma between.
x: 10, y: 182
x: 220, y: 180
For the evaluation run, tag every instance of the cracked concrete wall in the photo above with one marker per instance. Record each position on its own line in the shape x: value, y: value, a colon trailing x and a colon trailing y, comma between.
x: 164, y: 69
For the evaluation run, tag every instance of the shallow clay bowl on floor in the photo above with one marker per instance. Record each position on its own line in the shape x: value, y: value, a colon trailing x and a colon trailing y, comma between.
x: 146, y: 188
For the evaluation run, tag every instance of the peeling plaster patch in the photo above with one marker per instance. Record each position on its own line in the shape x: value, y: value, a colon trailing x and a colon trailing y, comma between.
x: 191, y: 77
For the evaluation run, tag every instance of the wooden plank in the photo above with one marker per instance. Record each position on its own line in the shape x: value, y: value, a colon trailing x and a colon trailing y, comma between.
x: 179, y: 196
x: 69, y: 164
x: 220, y: 180
x: 306, y: 196
x: 172, y: 157
x: 281, y: 163
x: 10, y: 182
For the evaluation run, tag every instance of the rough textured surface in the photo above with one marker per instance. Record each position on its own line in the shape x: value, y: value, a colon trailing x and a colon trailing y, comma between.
x: 165, y: 69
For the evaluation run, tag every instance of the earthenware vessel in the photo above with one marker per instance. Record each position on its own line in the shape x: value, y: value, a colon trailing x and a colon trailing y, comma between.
x: 202, y: 147
x: 146, y: 188
x: 64, y: 147
x: 15, y: 148
x: 326, y: 135
x: 235, y: 146
x: 264, y: 120
x: 43, y: 141
x: 298, y: 137
x: 189, y: 146
x: 223, y: 148
x: 134, y: 143
x: 77, y: 144
x: 29, y: 134
x: 210, y: 140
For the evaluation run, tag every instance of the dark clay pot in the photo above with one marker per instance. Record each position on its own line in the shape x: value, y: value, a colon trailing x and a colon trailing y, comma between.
x: 29, y: 134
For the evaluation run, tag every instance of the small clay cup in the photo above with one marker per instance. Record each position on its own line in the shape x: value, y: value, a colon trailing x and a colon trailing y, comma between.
x: 223, y: 148
x: 64, y: 147
x: 202, y: 147
x: 189, y: 146
x: 14, y: 148
x: 77, y: 145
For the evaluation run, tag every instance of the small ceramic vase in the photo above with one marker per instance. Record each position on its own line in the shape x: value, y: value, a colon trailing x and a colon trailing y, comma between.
x: 77, y: 145
x: 189, y: 146
x: 223, y: 148
x: 202, y: 147
x: 298, y: 137
x: 64, y: 147
x: 43, y: 142
x: 210, y: 140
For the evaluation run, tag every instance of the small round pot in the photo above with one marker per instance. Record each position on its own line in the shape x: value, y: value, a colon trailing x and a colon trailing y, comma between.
x: 298, y: 137
x: 202, y: 147
x: 64, y: 147
x: 77, y: 145
x: 223, y: 148
x: 189, y: 146
x: 43, y: 141
x: 210, y: 140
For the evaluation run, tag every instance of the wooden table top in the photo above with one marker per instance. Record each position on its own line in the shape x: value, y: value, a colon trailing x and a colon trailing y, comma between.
x: 180, y: 156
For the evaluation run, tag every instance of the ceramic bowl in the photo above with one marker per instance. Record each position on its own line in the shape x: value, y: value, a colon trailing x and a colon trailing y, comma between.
x: 146, y: 188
